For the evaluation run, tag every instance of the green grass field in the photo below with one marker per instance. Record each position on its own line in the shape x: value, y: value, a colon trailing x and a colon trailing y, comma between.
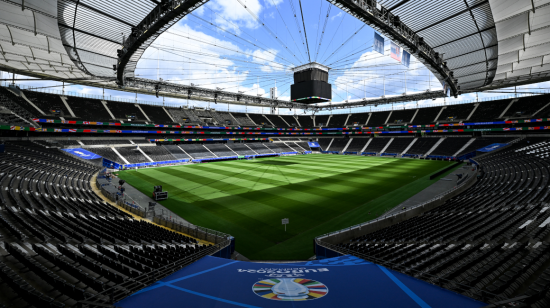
x: 318, y: 193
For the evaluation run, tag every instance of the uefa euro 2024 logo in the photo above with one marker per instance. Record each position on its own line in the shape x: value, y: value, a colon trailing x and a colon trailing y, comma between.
x: 288, y: 284
x: 290, y: 289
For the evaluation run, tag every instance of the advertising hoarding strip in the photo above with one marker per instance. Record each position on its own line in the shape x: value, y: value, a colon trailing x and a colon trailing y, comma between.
x: 51, y: 121
x: 318, y: 133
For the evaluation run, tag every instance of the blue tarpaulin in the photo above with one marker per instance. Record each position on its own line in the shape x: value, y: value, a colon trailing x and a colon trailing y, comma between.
x: 492, y: 147
x: 82, y: 153
x: 344, y: 281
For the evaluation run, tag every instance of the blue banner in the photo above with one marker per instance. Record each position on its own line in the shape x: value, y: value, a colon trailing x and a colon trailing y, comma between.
x: 157, y: 163
x: 406, y: 58
x: 492, y: 147
x: 343, y: 281
x: 313, y: 144
x: 82, y: 153
x: 378, y: 43
x: 111, y: 164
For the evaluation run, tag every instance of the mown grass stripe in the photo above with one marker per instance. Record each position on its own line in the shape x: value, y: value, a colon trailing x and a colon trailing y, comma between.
x: 318, y: 193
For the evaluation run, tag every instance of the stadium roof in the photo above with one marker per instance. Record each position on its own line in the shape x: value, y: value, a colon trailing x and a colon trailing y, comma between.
x: 486, y: 43
x: 463, y: 31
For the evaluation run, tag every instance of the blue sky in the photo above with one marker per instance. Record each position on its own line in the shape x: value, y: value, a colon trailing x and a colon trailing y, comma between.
x: 250, y: 46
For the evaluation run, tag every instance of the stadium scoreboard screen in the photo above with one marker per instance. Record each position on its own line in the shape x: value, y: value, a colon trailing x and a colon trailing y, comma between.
x: 311, y: 84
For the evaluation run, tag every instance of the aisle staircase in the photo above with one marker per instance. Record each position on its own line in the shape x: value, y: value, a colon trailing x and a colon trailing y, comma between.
x: 435, y: 146
x: 465, y: 146
x: 409, y: 146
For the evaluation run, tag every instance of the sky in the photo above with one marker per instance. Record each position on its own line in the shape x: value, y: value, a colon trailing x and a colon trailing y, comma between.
x: 249, y: 46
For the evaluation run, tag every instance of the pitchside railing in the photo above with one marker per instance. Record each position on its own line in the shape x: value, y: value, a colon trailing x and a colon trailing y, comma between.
x: 410, y: 210
x: 198, y: 232
x: 123, y: 200
x: 118, y: 292
x: 433, y: 279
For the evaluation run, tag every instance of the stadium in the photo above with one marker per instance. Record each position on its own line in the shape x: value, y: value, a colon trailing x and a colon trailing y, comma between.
x: 274, y: 153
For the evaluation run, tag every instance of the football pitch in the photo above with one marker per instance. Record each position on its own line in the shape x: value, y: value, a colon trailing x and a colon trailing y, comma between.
x: 317, y: 193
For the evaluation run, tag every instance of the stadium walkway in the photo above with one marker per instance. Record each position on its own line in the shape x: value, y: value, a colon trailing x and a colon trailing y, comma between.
x: 144, y: 200
x: 444, y: 184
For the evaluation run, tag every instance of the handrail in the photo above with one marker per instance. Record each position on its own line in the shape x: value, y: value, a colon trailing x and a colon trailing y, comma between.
x: 402, y: 269
x: 380, y: 218
x: 242, y: 109
x: 132, y: 285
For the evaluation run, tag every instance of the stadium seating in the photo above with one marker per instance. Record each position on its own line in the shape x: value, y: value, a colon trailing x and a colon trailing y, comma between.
x: 338, y: 144
x: 17, y: 104
x: 107, y: 153
x: 94, y: 110
x: 321, y: 120
x: 156, y: 114
x: 47, y: 103
x: 359, y: 118
x: 305, y: 121
x: 243, y: 119
x: 185, y: 116
x: 357, y: 144
x: 378, y: 118
x: 241, y: 149
x: 489, y: 240
x: 276, y: 120
x: 88, y: 109
x: 324, y: 143
x: 260, y: 148
x: 398, y: 145
x: 176, y: 151
x: 124, y: 111
x: 455, y: 113
x: 291, y: 120
x: 377, y: 145
x: 132, y: 155
x: 526, y: 107
x: 177, y: 114
x: 202, y: 113
x: 8, y: 115
x: 61, y: 143
x: 487, y: 111
x: 281, y: 147
x: 61, y: 242
x: 259, y: 119
x: 220, y: 149
x: 338, y: 120
x: 402, y: 116
x: 450, y: 146
x: 303, y: 145
x: 426, y: 115
x: 223, y: 118
x: 141, y: 141
x: 196, y: 150
x: 104, y: 141
x: 422, y: 146
x: 157, y: 153
x: 479, y: 143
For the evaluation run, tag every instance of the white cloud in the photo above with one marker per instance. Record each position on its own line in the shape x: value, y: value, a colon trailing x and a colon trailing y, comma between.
x: 336, y: 16
x: 267, y: 57
x: 192, y: 56
x: 232, y: 14
x: 269, y: 3
x: 373, y: 75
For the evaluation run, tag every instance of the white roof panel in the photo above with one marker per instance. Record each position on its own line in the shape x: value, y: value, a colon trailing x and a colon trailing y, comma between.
x: 513, y: 26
